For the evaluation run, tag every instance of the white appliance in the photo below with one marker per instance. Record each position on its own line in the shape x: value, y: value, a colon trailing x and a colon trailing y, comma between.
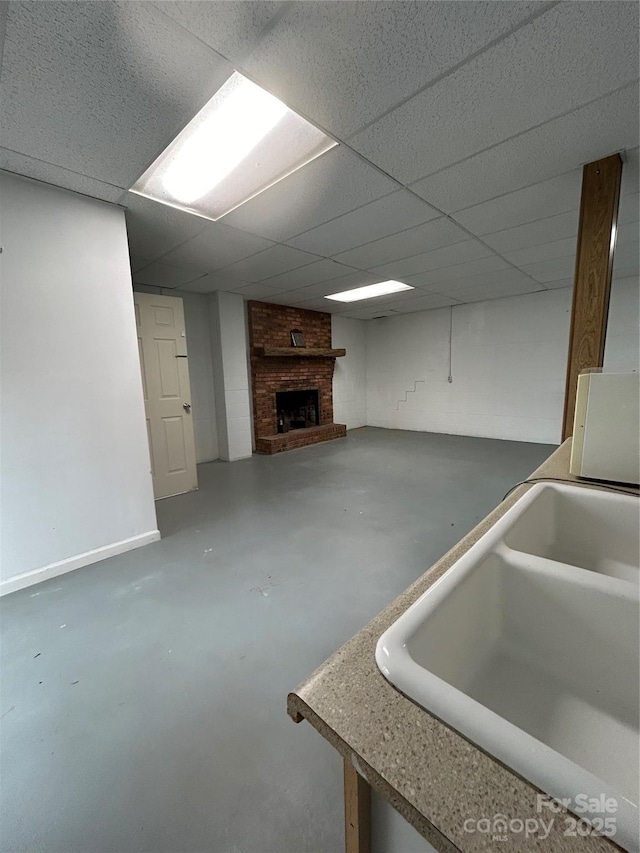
x: 606, y: 432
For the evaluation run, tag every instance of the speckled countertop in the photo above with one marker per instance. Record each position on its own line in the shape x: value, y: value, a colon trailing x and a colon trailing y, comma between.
x: 433, y: 776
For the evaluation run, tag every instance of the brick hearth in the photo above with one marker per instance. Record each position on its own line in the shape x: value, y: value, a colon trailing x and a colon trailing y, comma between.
x: 299, y: 438
x: 270, y: 326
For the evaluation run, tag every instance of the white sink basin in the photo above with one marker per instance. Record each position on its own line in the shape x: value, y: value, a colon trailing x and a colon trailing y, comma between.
x: 528, y: 646
x: 594, y: 530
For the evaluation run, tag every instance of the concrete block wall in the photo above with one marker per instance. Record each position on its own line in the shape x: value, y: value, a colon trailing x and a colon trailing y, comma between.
x: 230, y: 375
x: 349, y: 376
x: 508, y: 361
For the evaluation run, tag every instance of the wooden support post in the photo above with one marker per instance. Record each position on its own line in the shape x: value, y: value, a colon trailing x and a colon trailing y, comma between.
x: 357, y: 812
x: 594, y: 265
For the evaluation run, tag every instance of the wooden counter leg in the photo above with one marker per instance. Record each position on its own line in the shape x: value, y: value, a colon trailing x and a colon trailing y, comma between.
x: 357, y: 812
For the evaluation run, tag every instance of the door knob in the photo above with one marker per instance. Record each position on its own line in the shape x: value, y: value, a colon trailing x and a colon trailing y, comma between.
x: 186, y: 407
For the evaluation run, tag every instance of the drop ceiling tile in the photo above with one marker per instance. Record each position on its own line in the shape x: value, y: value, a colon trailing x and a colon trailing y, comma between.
x: 558, y: 227
x: 346, y: 63
x: 586, y: 134
x: 164, y: 275
x: 427, y: 302
x: 290, y: 297
x: 561, y: 282
x: 560, y: 272
x: 435, y: 278
x: 556, y: 195
x: 148, y: 288
x: 469, y: 277
x: 267, y: 297
x: 357, y: 278
x: 19, y: 164
x: 551, y: 270
x: 216, y: 246
x: 414, y: 241
x: 268, y: 263
x: 447, y: 256
x: 231, y: 28
x: 390, y: 307
x: 154, y: 228
x: 296, y: 297
x: 543, y: 252
x: 320, y: 304
x: 138, y: 263
x: 395, y: 300
x: 316, y: 304
x: 313, y: 291
x: 319, y: 271
x: 257, y: 291
x: 368, y: 313
x: 496, y: 291
x: 388, y: 215
x: 329, y: 186
x: 536, y: 74
x: 211, y: 282
x: 630, y: 170
x: 631, y: 271
x: 100, y: 88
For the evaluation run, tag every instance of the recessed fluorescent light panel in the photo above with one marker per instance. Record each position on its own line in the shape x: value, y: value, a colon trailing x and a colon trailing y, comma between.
x: 240, y: 143
x: 371, y: 290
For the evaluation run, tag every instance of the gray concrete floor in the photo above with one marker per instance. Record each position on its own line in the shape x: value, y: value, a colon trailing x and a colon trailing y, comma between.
x: 143, y: 698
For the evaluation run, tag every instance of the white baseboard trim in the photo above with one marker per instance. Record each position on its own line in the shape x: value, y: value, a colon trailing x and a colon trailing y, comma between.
x: 13, y: 584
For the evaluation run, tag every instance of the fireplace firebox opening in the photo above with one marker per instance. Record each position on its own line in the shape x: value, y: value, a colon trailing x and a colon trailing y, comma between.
x: 297, y: 409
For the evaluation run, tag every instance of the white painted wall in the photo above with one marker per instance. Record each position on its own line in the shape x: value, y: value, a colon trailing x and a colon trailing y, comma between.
x: 76, y: 483
x: 622, y: 346
x: 349, y: 376
x: 198, y: 331
x: 230, y: 375
x: 508, y: 367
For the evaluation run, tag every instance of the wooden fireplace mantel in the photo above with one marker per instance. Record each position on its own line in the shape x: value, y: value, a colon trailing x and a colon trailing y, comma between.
x: 299, y: 352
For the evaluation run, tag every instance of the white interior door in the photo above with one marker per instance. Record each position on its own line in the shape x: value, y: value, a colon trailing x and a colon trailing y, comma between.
x: 167, y: 397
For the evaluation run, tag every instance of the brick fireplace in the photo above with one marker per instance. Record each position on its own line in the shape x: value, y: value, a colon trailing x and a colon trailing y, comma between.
x: 292, y: 387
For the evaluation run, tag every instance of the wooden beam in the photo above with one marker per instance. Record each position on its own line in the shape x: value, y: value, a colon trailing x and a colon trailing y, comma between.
x: 592, y: 283
x: 357, y: 811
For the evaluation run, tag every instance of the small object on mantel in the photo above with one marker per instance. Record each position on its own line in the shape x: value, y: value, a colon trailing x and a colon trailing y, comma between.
x: 297, y: 338
x: 299, y: 352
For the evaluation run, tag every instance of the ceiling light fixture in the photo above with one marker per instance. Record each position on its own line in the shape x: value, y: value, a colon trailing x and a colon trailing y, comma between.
x: 241, y: 142
x: 370, y: 291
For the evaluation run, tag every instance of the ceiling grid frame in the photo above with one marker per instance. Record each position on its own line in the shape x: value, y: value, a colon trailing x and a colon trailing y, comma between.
x: 484, y: 240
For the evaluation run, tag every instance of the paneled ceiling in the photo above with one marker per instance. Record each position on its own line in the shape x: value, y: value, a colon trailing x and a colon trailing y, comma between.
x: 462, y: 126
